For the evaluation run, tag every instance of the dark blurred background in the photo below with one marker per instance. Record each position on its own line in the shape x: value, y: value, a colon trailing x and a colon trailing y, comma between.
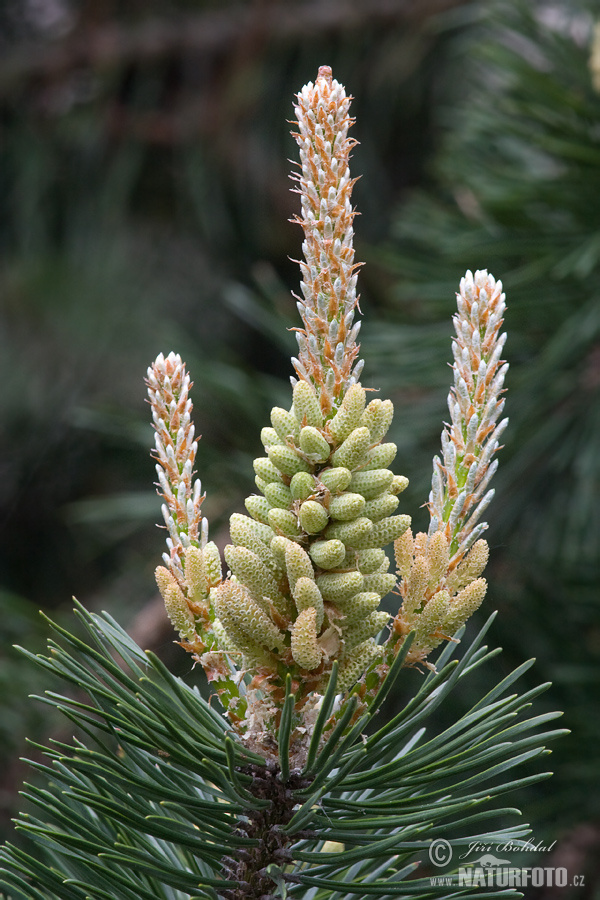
x: 145, y: 206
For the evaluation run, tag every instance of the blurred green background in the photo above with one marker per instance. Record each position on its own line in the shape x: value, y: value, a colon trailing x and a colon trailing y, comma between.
x: 145, y: 206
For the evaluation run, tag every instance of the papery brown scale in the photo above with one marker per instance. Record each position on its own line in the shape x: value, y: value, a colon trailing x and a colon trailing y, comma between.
x: 482, y: 433
x: 491, y: 373
x: 475, y: 360
x: 479, y: 392
x: 313, y: 170
x: 452, y: 488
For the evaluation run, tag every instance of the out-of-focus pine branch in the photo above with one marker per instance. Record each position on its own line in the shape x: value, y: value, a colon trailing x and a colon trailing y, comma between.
x: 515, y: 183
x: 114, y: 43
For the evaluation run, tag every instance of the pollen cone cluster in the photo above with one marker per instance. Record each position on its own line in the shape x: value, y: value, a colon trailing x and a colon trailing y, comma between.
x: 308, y: 569
x: 437, y: 598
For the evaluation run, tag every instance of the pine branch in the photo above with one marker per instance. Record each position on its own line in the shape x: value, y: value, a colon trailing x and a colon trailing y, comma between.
x: 146, y: 800
x: 292, y: 790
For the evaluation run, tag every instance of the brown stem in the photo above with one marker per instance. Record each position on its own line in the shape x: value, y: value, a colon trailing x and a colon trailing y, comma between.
x: 265, y: 826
